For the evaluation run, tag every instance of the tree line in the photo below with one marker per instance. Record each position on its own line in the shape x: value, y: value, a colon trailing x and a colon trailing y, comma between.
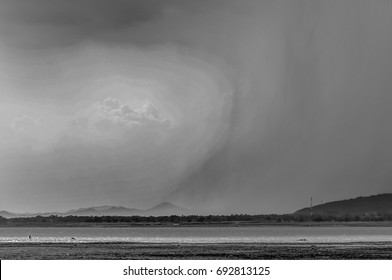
x: 192, y: 219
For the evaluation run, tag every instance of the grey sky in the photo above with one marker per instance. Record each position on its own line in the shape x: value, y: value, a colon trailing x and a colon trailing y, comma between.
x: 233, y: 106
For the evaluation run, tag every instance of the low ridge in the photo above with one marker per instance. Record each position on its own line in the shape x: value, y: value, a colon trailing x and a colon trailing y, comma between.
x: 362, y: 206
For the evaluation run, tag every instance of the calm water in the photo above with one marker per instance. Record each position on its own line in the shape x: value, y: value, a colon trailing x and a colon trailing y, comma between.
x: 199, y: 234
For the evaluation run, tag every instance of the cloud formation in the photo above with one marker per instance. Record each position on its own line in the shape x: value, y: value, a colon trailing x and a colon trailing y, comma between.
x: 110, y: 112
x: 112, y: 119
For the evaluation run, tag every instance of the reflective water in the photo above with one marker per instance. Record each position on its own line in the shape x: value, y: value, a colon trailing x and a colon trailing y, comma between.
x: 199, y: 234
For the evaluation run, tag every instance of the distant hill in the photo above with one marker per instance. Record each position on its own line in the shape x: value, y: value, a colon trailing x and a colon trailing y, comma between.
x: 7, y: 214
x: 102, y: 211
x: 370, y: 205
x: 166, y: 209
x: 162, y: 209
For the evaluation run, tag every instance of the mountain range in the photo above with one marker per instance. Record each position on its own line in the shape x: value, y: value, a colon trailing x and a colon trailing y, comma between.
x: 162, y: 209
x: 362, y: 206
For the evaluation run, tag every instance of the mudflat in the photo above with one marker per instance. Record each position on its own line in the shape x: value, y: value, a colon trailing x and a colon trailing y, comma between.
x: 144, y: 251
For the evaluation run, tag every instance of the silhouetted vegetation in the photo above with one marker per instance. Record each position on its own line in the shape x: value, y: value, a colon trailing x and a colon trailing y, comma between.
x: 239, y: 219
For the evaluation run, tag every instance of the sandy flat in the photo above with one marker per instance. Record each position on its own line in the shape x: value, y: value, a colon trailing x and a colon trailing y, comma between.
x: 143, y: 251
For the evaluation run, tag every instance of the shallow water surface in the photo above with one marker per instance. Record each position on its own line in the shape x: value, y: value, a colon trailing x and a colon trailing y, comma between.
x: 276, y: 234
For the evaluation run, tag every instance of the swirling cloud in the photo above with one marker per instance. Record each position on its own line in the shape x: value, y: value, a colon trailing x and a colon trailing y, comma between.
x: 131, y: 130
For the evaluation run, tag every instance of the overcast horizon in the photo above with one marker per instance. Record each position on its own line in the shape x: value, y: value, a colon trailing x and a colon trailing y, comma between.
x: 219, y: 105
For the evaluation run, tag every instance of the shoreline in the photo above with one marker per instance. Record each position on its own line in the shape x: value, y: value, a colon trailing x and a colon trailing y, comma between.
x: 233, y: 224
x: 145, y: 251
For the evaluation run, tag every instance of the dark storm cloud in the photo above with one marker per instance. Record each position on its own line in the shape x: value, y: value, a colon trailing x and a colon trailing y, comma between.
x: 307, y: 107
x: 60, y: 23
